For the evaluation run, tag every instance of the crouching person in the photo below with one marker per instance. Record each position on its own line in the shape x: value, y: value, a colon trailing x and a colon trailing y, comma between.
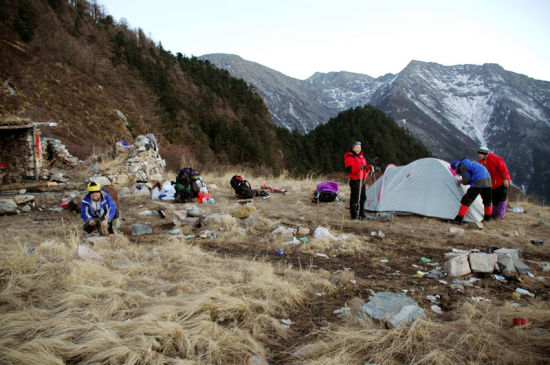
x: 477, y: 176
x: 98, y: 210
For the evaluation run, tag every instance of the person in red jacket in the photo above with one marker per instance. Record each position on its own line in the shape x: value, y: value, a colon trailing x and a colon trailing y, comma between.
x: 358, y: 171
x: 500, y: 179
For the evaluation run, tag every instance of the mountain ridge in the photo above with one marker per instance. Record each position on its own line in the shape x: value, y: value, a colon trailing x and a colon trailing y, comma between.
x: 451, y: 109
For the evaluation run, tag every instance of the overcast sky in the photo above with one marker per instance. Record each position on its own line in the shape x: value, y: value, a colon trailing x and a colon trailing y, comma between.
x: 301, y: 37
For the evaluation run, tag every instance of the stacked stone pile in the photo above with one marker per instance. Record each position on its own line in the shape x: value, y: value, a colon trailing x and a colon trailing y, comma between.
x: 141, y: 162
x: 57, y: 151
x: 504, y: 260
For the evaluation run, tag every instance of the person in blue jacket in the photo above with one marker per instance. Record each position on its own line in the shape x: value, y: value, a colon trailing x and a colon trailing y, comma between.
x: 98, y: 210
x: 477, y: 176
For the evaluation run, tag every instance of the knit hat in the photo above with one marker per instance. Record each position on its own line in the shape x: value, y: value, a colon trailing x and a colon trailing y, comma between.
x: 94, y: 187
x: 483, y: 150
x: 356, y: 143
x: 454, y: 164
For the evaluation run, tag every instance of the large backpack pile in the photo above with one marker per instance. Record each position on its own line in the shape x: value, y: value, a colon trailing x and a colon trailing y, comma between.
x: 326, y: 192
x: 188, y: 185
x: 242, y: 188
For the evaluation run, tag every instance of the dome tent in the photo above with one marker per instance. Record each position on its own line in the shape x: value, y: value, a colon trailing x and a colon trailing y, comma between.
x: 425, y: 187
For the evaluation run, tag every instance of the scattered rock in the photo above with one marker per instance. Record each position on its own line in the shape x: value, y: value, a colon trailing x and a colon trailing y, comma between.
x: 302, y: 231
x: 456, y: 230
x: 506, y: 264
x: 395, y: 309
x: 457, y: 266
x: 49, y: 243
x: 544, y: 265
x: 539, y: 332
x: 307, y: 349
x: 23, y: 198
x: 140, y: 229
x: 514, y: 252
x: 8, y: 206
x: 86, y: 253
x: 483, y: 262
x: 96, y: 239
x: 220, y: 220
x: 284, y: 233
x: 180, y: 214
x: 458, y: 287
x: 193, y: 212
x: 257, y: 359
x: 101, y: 180
x: 522, y: 268
x: 253, y: 220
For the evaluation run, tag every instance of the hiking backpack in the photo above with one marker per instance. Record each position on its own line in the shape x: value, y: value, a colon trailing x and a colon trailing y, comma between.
x: 188, y: 184
x: 326, y: 192
x: 242, y: 188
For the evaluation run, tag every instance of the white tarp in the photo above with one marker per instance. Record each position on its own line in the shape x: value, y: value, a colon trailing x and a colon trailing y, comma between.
x: 425, y: 187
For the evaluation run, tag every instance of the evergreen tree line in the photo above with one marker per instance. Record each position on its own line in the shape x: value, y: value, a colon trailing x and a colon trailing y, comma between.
x: 222, y: 119
x: 322, y: 150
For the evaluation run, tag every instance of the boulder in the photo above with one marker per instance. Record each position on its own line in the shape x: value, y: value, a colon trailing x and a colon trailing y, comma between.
x: 396, y: 309
x: 457, y: 266
x: 7, y: 206
x: 483, y: 262
x: 140, y: 229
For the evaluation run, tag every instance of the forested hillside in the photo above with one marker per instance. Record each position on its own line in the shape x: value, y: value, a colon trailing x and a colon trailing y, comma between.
x: 383, y: 142
x: 69, y: 62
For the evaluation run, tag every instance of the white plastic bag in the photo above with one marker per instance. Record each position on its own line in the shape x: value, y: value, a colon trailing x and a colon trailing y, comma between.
x: 169, y: 190
x: 155, y: 194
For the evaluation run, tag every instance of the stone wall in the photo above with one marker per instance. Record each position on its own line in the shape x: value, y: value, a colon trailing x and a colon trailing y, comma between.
x: 16, y: 151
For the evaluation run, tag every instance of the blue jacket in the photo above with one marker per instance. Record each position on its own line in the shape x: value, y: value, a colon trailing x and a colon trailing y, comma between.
x: 107, y: 207
x: 474, y: 173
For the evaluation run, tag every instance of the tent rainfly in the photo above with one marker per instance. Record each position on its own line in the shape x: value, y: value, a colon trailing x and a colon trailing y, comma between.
x: 425, y: 187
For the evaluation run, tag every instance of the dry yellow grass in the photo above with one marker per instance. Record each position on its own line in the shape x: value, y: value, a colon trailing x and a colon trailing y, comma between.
x: 162, y: 299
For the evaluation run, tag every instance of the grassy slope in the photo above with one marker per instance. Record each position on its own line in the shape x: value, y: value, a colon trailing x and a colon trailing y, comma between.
x: 158, y: 298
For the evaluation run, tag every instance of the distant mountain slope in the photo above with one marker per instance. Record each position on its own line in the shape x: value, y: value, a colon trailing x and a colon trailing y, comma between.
x: 293, y: 103
x: 451, y: 109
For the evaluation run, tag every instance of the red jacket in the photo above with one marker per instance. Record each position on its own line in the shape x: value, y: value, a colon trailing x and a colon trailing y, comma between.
x: 497, y: 168
x: 353, y: 164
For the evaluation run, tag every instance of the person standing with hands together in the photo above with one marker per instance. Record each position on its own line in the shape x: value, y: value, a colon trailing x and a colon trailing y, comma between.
x: 358, y: 171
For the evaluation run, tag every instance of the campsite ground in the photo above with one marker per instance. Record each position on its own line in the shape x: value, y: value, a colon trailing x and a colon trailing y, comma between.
x: 218, y: 300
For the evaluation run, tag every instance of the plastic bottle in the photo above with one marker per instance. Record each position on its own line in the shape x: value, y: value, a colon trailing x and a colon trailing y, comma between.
x: 211, y: 201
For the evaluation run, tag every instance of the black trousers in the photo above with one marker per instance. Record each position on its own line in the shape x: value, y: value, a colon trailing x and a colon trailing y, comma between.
x: 499, y: 194
x: 354, y: 198
x: 89, y: 228
x: 472, y: 194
